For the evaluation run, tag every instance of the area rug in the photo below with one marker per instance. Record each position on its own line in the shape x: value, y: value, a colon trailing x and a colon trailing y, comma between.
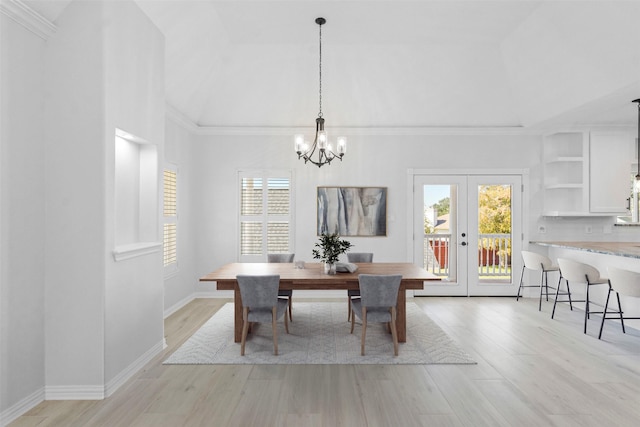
x: 319, y: 334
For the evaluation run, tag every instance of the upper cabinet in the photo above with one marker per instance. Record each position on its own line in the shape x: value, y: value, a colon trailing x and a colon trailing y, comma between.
x: 565, y: 174
x: 610, y: 158
x: 586, y: 173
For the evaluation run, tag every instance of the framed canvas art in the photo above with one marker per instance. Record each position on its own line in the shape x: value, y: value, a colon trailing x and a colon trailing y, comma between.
x: 352, y: 211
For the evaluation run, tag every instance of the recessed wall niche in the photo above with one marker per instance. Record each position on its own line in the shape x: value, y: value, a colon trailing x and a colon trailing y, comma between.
x: 136, y: 196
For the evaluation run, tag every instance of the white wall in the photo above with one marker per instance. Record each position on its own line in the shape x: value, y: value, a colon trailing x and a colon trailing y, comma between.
x: 104, y: 70
x: 370, y: 161
x: 75, y: 202
x: 180, y: 286
x: 134, y: 102
x: 22, y: 215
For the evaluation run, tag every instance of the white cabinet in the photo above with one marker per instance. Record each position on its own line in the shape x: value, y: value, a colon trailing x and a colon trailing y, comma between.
x: 610, y: 158
x: 565, y: 174
x: 586, y: 173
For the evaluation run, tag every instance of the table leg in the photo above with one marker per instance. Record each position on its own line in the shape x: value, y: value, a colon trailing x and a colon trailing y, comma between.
x: 401, y: 315
x: 237, y: 321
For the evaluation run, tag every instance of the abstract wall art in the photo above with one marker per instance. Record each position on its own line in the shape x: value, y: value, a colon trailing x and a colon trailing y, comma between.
x: 352, y: 211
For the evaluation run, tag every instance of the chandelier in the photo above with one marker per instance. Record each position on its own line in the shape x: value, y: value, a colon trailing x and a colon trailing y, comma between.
x: 321, y: 146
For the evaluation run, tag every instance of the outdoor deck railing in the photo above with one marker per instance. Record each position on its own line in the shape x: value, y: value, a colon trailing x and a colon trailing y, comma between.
x: 494, y: 254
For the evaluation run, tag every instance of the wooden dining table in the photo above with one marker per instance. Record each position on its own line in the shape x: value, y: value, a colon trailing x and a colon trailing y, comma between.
x: 312, y: 277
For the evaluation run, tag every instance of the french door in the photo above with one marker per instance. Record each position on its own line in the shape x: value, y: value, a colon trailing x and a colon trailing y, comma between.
x: 467, y: 229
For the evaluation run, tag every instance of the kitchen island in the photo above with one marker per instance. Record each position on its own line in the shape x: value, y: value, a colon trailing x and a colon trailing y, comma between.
x: 623, y: 249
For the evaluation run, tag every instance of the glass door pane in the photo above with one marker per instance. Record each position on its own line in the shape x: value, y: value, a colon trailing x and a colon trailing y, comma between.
x: 495, y: 232
x: 439, y: 235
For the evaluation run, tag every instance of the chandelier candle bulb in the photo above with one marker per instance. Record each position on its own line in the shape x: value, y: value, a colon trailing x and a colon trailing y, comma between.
x: 322, y: 140
x: 299, y: 143
x: 342, y: 145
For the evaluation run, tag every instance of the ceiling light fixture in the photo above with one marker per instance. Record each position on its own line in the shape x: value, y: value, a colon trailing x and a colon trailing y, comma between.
x: 638, y: 142
x: 325, y: 153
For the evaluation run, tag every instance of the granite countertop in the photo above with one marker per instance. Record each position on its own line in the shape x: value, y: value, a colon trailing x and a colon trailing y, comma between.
x: 625, y: 249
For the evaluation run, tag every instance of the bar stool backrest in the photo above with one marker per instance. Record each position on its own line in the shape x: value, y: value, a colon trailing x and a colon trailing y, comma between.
x: 624, y: 282
x: 575, y: 271
x: 535, y: 261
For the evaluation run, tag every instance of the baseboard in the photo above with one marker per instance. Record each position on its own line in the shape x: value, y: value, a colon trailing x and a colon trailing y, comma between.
x: 74, y: 392
x: 132, y: 369
x: 177, y: 306
x: 22, y: 407
x: 213, y: 294
x: 98, y: 392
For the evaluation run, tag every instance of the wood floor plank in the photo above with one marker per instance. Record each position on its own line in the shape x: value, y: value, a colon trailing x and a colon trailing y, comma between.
x: 532, y: 370
x: 468, y: 402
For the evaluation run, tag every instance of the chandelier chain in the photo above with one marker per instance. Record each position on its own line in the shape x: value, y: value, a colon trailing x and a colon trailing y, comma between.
x: 320, y: 71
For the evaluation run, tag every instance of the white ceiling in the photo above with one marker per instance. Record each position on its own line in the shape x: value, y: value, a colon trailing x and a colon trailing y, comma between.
x: 394, y: 63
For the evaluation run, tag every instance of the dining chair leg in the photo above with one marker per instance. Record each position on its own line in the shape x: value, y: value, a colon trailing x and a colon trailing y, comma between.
x: 286, y: 324
x: 245, y: 329
x: 364, y: 329
x: 275, y: 331
x: 353, y: 322
x: 290, y: 304
x: 348, y: 308
x: 394, y: 332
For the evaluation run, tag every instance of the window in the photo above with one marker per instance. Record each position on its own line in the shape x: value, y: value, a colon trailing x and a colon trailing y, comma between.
x: 265, y: 214
x: 170, y: 212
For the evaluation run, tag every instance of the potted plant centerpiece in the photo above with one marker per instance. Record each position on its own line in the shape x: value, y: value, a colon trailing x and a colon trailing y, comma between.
x: 329, y: 249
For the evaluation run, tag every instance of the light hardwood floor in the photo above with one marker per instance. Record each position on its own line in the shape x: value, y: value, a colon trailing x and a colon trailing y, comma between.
x: 531, y: 371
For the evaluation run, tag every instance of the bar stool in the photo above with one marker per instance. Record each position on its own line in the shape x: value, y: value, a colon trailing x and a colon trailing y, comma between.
x: 623, y: 282
x: 537, y: 262
x: 573, y: 271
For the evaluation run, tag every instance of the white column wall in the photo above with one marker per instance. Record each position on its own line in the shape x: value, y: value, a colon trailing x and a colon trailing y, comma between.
x: 22, y: 273
x: 134, y: 102
x: 75, y: 202
x: 105, y: 70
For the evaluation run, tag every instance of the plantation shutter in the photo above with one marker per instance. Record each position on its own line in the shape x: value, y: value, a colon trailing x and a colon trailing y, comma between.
x: 170, y: 212
x: 265, y: 215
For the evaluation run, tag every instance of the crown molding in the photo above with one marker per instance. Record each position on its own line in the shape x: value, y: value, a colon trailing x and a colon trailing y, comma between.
x: 368, y: 131
x: 180, y: 119
x: 28, y: 18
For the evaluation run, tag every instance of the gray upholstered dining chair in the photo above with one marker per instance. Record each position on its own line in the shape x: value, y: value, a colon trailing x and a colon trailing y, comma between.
x: 260, y: 304
x: 377, y: 303
x: 287, y: 293
x: 355, y: 293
